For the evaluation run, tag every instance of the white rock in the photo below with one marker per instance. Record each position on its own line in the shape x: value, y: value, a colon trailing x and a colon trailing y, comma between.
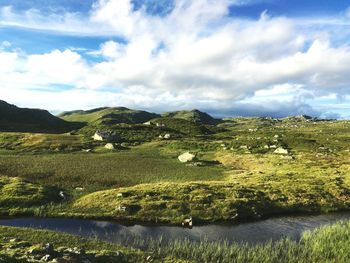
x: 186, y: 157
x: 110, y: 146
x: 280, y: 150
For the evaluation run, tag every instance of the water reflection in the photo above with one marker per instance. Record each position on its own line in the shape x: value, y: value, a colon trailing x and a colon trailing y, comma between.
x: 252, y: 233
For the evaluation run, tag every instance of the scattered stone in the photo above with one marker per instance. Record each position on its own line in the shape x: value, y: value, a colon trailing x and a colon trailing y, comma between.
x: 79, y: 188
x: 110, y: 146
x: 121, y: 208
x: 61, y: 194
x: 48, y: 248
x: 244, y: 147
x: 120, y: 195
x: 281, y: 150
x: 87, y: 150
x: 194, y: 164
x: 288, y: 157
x: 187, y: 222
x: 187, y: 157
x: 167, y: 136
x: 266, y: 147
x: 46, y: 258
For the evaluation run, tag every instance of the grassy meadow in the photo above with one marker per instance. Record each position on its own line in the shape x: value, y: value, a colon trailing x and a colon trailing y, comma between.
x: 238, y: 175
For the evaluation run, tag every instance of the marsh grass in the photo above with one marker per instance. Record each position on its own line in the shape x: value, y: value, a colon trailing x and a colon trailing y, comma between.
x: 326, y: 244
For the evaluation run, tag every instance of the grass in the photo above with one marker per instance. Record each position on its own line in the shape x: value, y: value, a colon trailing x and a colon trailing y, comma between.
x: 27, y: 239
x: 217, y: 201
x: 326, y: 244
x: 95, y: 171
x: 250, y: 183
x: 41, y: 142
x: 15, y: 192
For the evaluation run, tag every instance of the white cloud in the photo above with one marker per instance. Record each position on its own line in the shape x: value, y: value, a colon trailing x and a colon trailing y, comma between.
x: 8, y: 62
x: 194, y: 56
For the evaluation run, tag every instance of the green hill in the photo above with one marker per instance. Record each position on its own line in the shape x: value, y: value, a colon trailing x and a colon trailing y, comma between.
x: 15, y: 119
x: 109, y: 116
x: 195, y: 116
x: 182, y: 126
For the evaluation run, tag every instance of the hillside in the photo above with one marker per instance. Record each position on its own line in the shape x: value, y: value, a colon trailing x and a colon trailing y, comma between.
x: 15, y: 119
x: 109, y: 116
x: 182, y: 126
x: 195, y: 116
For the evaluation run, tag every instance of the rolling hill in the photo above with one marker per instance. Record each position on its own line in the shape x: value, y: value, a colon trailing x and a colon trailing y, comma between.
x: 195, y: 116
x: 109, y: 116
x: 15, y: 119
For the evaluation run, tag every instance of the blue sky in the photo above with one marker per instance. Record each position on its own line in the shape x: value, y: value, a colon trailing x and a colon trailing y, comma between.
x: 228, y: 57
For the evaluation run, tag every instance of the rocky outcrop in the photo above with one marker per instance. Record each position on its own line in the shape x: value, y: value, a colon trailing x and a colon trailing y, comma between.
x: 108, y: 136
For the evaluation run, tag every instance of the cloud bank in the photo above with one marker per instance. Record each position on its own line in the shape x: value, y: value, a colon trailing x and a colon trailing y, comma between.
x: 194, y: 56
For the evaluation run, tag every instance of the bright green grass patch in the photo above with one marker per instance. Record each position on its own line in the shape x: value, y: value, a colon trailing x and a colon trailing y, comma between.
x: 217, y: 201
x: 15, y: 192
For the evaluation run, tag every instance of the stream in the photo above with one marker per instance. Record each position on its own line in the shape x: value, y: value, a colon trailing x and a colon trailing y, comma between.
x: 251, y: 232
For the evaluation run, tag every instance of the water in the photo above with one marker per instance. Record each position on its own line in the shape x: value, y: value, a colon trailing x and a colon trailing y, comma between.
x: 251, y: 233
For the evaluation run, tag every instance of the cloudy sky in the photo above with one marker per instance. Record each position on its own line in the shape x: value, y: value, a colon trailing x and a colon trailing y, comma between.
x: 227, y: 57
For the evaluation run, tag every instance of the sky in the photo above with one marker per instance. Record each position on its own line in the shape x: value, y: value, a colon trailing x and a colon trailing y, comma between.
x: 227, y: 57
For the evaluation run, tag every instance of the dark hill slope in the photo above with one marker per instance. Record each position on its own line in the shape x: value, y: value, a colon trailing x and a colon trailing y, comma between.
x: 15, y: 119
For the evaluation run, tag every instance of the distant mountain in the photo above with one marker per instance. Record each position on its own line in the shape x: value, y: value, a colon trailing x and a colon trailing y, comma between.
x: 195, y: 116
x: 15, y: 119
x: 109, y: 116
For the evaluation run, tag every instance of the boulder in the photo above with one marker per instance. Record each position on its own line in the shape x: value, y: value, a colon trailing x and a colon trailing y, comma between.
x: 167, y: 136
x: 108, y: 136
x: 110, y: 146
x: 187, y: 157
x: 281, y: 150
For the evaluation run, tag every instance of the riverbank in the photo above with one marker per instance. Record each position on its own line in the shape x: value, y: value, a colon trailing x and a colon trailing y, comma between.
x: 326, y: 244
x: 249, y: 198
